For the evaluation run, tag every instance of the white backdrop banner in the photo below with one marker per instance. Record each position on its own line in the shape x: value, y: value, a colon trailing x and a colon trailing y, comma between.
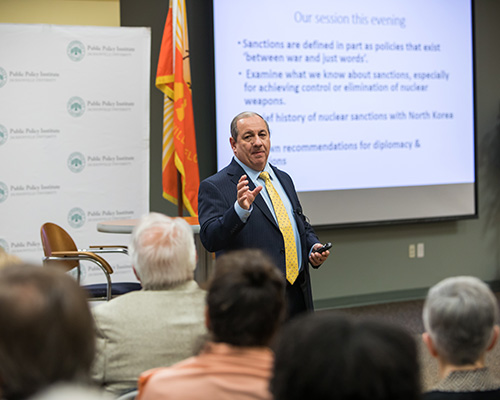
x: 74, y: 135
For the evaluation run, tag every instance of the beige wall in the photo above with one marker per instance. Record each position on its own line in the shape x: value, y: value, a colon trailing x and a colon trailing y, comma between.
x: 61, y: 12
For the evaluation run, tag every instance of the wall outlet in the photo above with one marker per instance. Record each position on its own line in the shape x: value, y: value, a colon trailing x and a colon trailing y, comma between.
x: 420, y: 250
x: 411, y: 251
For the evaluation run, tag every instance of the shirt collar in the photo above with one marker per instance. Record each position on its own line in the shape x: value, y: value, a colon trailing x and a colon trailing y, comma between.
x: 253, y: 174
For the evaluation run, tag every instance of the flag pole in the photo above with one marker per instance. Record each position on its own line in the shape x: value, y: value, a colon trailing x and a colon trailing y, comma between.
x: 180, y: 196
x: 180, y: 175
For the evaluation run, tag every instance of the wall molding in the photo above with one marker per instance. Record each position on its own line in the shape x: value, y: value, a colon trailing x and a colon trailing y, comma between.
x: 381, y: 298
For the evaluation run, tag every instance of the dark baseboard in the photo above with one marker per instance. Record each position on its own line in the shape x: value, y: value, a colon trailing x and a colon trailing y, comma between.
x: 381, y: 298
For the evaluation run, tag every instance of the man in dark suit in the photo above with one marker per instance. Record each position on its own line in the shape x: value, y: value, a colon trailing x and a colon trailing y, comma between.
x: 236, y: 211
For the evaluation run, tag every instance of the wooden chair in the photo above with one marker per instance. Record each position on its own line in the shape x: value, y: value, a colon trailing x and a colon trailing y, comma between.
x: 60, y: 251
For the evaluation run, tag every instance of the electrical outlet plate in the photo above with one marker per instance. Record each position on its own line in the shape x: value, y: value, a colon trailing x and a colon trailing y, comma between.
x: 411, y: 251
x: 420, y: 250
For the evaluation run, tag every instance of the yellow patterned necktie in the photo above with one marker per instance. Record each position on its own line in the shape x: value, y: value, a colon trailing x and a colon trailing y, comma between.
x: 292, y: 264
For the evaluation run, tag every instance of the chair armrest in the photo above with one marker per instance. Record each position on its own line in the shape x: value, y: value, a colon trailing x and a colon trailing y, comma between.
x: 85, y: 256
x: 108, y: 249
x: 81, y: 256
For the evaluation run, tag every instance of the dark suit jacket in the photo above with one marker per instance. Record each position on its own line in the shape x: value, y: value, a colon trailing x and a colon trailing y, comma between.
x: 221, y: 229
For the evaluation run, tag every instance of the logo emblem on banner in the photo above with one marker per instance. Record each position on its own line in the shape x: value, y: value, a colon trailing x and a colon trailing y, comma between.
x: 4, y: 192
x: 76, y: 50
x: 76, y: 106
x: 4, y: 245
x: 76, y: 217
x: 76, y: 162
x: 3, y: 134
x: 3, y: 77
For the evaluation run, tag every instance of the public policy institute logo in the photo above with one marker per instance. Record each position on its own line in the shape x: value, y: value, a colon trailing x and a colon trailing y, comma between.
x: 3, y: 134
x: 4, y: 192
x: 76, y: 106
x: 4, y: 245
x: 76, y: 162
x: 76, y: 50
x: 76, y: 217
x: 3, y: 77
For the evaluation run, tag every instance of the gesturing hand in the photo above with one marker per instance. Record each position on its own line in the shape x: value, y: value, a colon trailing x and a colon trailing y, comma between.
x: 245, y: 196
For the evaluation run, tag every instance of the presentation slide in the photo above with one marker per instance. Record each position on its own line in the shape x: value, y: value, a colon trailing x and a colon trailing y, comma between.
x: 370, y: 98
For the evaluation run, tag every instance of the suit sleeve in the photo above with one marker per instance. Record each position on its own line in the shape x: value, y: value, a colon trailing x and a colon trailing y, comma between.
x: 310, y: 236
x: 311, y: 239
x: 219, y: 222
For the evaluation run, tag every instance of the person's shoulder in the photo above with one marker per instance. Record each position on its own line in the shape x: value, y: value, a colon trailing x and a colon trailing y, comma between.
x: 229, y: 170
x: 277, y: 170
x: 282, y: 175
x: 190, y: 288
x: 214, y: 179
x: 158, y: 381
x: 479, y: 395
x: 439, y: 395
x: 431, y: 395
x: 116, y: 304
x: 63, y: 391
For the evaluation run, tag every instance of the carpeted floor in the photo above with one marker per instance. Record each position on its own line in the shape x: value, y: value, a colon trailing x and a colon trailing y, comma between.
x: 409, y: 315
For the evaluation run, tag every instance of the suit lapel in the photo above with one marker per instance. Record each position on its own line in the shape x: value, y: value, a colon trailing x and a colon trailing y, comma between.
x: 292, y: 195
x: 234, y: 172
x: 288, y: 189
x: 261, y: 204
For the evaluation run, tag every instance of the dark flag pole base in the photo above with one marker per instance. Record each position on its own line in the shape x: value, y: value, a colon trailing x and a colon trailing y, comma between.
x: 180, y: 197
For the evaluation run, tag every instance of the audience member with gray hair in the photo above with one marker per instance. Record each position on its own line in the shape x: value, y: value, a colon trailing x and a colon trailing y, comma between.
x: 460, y: 318
x: 160, y: 324
x: 245, y: 309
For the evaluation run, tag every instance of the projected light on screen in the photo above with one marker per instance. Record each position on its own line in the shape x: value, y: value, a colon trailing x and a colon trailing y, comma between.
x: 370, y: 103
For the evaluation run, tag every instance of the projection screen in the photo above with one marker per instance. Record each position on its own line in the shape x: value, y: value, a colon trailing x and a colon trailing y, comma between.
x: 370, y: 103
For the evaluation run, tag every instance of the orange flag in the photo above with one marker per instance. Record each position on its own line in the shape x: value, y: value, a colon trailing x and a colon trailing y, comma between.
x: 173, y: 78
